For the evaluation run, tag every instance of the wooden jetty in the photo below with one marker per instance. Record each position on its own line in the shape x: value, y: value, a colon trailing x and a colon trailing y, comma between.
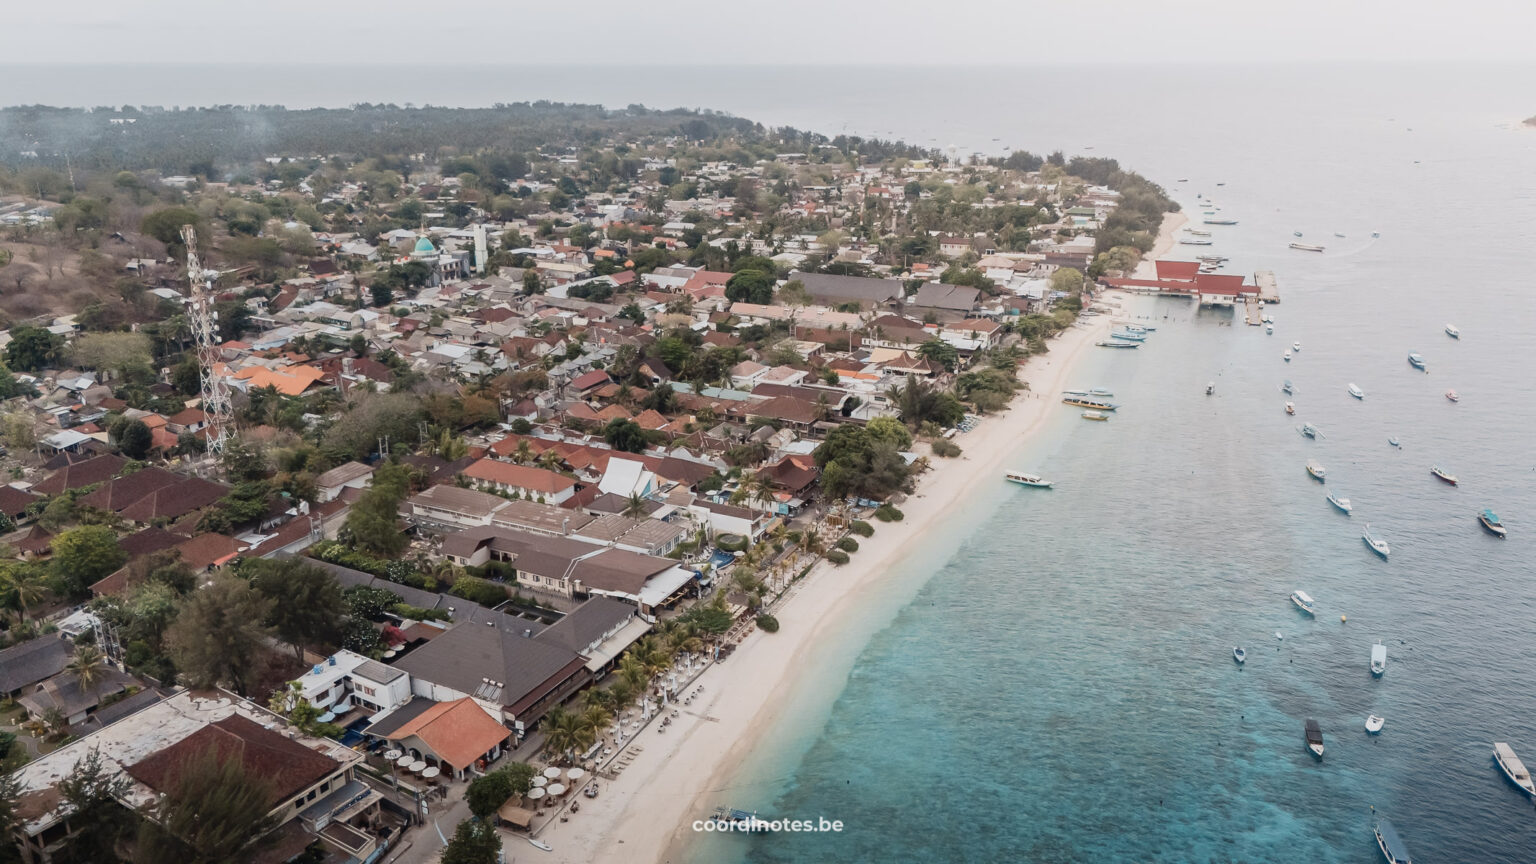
x: 1269, y: 289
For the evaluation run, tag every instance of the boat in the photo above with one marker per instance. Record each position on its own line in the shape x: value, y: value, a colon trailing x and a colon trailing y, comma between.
x: 1453, y: 395
x: 1317, y: 471
x: 1490, y: 522
x: 1115, y: 344
x: 1290, y: 408
x: 1304, y: 602
x: 1374, y: 723
x: 1269, y: 329
x: 1239, y: 655
x: 1378, y: 659
x: 1342, y: 503
x: 1338, y: 234
x: 1129, y: 335
x: 1375, y: 234
x: 1296, y: 346
x: 1095, y: 393
x: 540, y: 844
x: 1391, y: 845
x: 1307, y: 247
x: 1393, y: 442
x: 1451, y: 331
x: 1195, y: 241
x: 1287, y: 387
x: 1220, y: 221
x: 1378, y: 545
x: 1355, y: 391
x: 1513, y: 768
x: 1417, y: 361
x: 1287, y: 355
x: 1314, y: 738
x: 1295, y: 233
x: 1100, y: 391
x: 1095, y: 415
x: 1446, y: 477
x: 1197, y: 232
x: 1095, y: 404
x: 1210, y: 388
x: 1026, y: 479
x: 1310, y: 431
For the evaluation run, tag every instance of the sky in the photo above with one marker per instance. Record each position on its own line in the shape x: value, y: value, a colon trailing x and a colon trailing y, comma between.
x: 820, y: 32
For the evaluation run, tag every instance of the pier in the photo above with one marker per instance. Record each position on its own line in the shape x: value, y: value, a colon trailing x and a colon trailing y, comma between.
x: 1269, y: 289
x: 1253, y: 312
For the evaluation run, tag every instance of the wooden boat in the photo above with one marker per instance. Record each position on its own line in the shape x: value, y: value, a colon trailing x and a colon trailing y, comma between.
x: 1342, y: 503
x: 1378, y: 659
x: 1513, y: 768
x: 1095, y: 404
x: 1355, y: 391
x: 1306, y: 247
x: 1490, y: 522
x: 1304, y: 602
x: 1112, y: 343
x: 1378, y: 545
x: 1026, y: 479
x: 1100, y: 416
x: 1453, y: 395
x: 1443, y: 475
x: 1317, y: 471
x: 1417, y: 361
x: 1290, y: 408
x: 1451, y: 331
x: 1391, y: 845
x: 1314, y: 735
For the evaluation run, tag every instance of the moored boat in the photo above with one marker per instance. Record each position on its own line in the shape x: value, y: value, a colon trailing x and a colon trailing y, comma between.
x: 1451, y: 331
x: 1355, y: 391
x: 1453, y: 395
x: 1026, y: 479
x: 1443, y: 475
x: 1269, y: 329
x: 1378, y: 659
x: 1306, y: 247
x: 1220, y: 221
x: 1296, y: 346
x: 1304, y: 602
x: 1394, y: 442
x: 1116, y: 344
x: 1374, y: 723
x: 1316, y: 470
x: 1391, y: 845
x: 1286, y: 387
x: 1210, y: 388
x: 1100, y: 391
x: 1341, y: 503
x: 1129, y: 335
x: 1378, y: 545
x: 1290, y: 408
x: 1287, y: 355
x: 1196, y: 241
x: 1417, y: 361
x: 1095, y: 415
x: 1240, y: 656
x: 1085, y: 402
x: 1513, y: 768
x: 1490, y: 522
x: 1309, y: 431
x: 1314, y: 734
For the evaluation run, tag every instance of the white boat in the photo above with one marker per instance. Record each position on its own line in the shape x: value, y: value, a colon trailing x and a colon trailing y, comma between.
x: 1374, y: 723
x: 1355, y: 391
x: 1307, y: 247
x: 1239, y: 655
x: 540, y: 844
x: 1378, y: 659
x: 1378, y: 545
x: 1314, y: 738
x: 1317, y: 471
x: 1095, y: 415
x: 1025, y: 479
x: 1196, y: 241
x: 1296, y: 346
x: 1287, y: 355
x: 1269, y: 329
x: 1290, y: 408
x: 1513, y: 768
x: 1341, y: 503
x: 1304, y: 602
x: 1451, y: 331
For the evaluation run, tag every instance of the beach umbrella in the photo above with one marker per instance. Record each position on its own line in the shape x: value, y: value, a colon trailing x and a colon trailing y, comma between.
x: 574, y: 774
x: 417, y: 767
x: 535, y: 794
x: 552, y: 773
x: 391, y: 755
x: 430, y: 773
x: 541, y: 781
x: 557, y: 790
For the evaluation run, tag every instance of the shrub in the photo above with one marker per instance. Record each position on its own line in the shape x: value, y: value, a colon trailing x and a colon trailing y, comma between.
x: 731, y: 542
x: 479, y: 590
x: 887, y: 513
x: 946, y: 448
x: 861, y: 528
x: 837, y: 556
x: 767, y: 623
x: 848, y: 544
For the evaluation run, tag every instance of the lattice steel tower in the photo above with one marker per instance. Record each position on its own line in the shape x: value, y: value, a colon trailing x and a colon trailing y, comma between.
x: 205, y: 329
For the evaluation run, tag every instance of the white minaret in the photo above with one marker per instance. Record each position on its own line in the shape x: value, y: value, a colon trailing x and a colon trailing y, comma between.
x: 480, y: 254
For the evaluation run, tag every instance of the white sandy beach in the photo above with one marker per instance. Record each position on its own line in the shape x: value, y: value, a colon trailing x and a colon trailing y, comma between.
x: 646, y: 814
x: 1167, y: 236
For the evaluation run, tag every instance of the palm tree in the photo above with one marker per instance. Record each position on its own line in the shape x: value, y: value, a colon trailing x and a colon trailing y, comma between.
x: 559, y: 730
x: 811, y: 542
x: 86, y: 666
x: 523, y: 454
x: 634, y: 508
x: 595, y: 717
x: 27, y: 582
x: 632, y: 672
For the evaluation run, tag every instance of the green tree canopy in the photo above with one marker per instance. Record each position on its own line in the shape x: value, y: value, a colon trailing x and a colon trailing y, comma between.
x: 306, y: 600
x: 218, y: 637
x: 373, y: 523
x: 85, y: 555
x: 625, y: 435
x: 488, y: 792
x: 215, y: 811
x: 750, y: 286
x: 474, y: 842
x: 33, y: 348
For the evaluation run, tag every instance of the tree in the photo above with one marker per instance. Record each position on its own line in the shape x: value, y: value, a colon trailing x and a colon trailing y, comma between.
x: 218, y: 637
x: 373, y: 523
x: 794, y: 294
x: 84, y: 556
x: 215, y: 811
x: 889, y: 430
x: 750, y: 286
x: 93, y: 791
x: 27, y: 582
x: 85, y: 666
x: 1067, y: 280
x: 383, y: 295
x: 306, y: 601
x: 134, y: 438
x: 165, y: 224
x: 474, y: 842
x: 917, y: 401
x: 940, y: 352
x: 487, y: 793
x: 625, y: 435
x: 33, y: 348
x: 634, y: 506
x: 187, y: 377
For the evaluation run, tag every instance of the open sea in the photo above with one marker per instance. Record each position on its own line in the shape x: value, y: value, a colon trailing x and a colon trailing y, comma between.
x: 1052, y: 680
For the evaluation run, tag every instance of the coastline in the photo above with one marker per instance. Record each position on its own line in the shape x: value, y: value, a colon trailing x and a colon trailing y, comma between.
x: 1167, y: 236
x: 645, y: 815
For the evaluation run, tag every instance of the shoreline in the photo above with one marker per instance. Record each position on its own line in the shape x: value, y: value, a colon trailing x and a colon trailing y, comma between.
x: 1167, y: 236
x: 646, y: 814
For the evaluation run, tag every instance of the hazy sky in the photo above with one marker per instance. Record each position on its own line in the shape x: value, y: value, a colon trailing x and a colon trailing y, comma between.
x: 688, y: 32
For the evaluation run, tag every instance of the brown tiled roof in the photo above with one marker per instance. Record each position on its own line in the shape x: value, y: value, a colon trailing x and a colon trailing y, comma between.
x: 518, y: 476
x: 287, y: 765
x: 208, y: 549
x: 97, y: 469
x: 458, y: 732
x: 176, y: 500
x: 13, y: 501
x: 124, y: 491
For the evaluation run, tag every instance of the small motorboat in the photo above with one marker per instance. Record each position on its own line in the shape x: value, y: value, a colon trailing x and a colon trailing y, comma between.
x: 1307, y: 247
x: 1287, y: 355
x: 1314, y: 735
x: 1115, y: 344
x: 1394, y: 442
x: 1310, y: 431
x: 1490, y: 522
x: 1295, y: 233
x: 1374, y: 723
x: 1375, y: 235
x: 1378, y: 659
x: 1287, y: 388
x: 1290, y: 408
x: 1453, y: 395
x: 1103, y: 393
x: 1339, y: 234
x: 1451, y: 331
x: 1095, y: 415
x: 1317, y: 471
x: 1296, y: 346
x: 1391, y: 845
x: 1239, y: 655
x: 1378, y: 545
x: 1417, y: 361
x: 1355, y: 391
x: 1443, y: 475
x: 540, y: 844
x: 1304, y: 602
x: 1269, y: 329
x: 1513, y: 768
x: 1210, y: 388
x: 1341, y: 503
x: 1025, y: 479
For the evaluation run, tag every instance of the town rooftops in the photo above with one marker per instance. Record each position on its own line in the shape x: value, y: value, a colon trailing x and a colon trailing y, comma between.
x: 828, y: 288
x: 542, y: 518
x: 97, y: 469
x: 288, y: 766
x: 619, y: 571
x: 468, y: 653
x: 457, y: 732
x: 343, y: 474
x: 466, y: 502
x: 958, y: 298
x: 515, y: 476
x: 33, y: 661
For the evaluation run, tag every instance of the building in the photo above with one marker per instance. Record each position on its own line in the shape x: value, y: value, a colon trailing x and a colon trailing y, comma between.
x: 521, y: 480
x: 839, y: 290
x: 455, y: 735
x: 347, y: 680
x: 449, y: 508
x: 348, y: 475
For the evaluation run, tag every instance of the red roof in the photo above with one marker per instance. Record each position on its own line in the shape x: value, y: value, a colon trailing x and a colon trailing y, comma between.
x: 287, y: 765
x: 518, y: 476
x: 1181, y: 270
x: 590, y: 379
x: 456, y: 732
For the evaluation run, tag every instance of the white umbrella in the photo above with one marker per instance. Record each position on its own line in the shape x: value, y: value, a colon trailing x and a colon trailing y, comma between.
x: 430, y: 773
x: 391, y: 755
x: 575, y: 774
x: 552, y: 773
x: 541, y: 781
x: 557, y: 790
x: 418, y: 766
x: 535, y: 794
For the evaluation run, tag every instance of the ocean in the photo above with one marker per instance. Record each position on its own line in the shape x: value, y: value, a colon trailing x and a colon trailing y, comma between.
x: 1052, y: 680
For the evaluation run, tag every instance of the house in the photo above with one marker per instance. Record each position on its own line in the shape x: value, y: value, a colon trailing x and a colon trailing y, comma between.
x: 63, y: 693
x: 943, y: 301
x: 78, y: 474
x: 188, y: 420
x: 346, y: 680
x: 455, y: 736
x: 954, y: 247
x: 14, y: 501
x: 864, y: 292
x: 31, y: 662
x: 972, y: 334
x: 747, y: 373
x: 522, y: 480
x: 727, y: 518
x: 348, y: 475
x: 449, y: 508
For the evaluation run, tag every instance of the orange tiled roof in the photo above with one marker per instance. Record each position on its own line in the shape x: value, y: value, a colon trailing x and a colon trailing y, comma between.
x: 458, y: 732
x: 289, y: 380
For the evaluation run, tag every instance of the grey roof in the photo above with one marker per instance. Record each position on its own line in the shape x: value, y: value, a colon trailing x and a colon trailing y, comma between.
x: 619, y: 570
x: 540, y: 554
x: 534, y: 516
x: 590, y: 621
x: 469, y: 502
x: 373, y: 670
x: 63, y: 691
x: 421, y: 599
x: 940, y: 296
x: 118, y: 710
x: 400, y: 716
x: 343, y: 473
x: 846, y: 289
x: 33, y: 661
x: 472, y: 651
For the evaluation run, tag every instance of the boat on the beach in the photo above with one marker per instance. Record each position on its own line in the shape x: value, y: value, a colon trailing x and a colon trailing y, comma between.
x: 1197, y: 232
x: 1378, y: 659
x: 1444, y: 476
x: 1128, y: 335
x: 1374, y: 723
x: 1095, y: 415
x: 1342, y: 504
x: 1314, y: 734
x: 1490, y: 522
x: 1239, y: 655
x: 1355, y: 391
x: 1317, y: 471
x: 1451, y: 331
x: 1392, y: 846
x: 1220, y: 221
x: 1378, y: 545
x: 1024, y: 478
x: 540, y: 844
x: 1117, y: 344
x: 1286, y: 387
x: 1306, y: 247
x: 1416, y: 360
x: 1085, y: 402
x: 1513, y: 768
x: 1453, y: 395
x: 1304, y: 602
x: 1290, y: 408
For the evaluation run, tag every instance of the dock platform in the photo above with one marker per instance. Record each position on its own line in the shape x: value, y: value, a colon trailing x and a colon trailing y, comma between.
x: 1253, y: 312
x: 1269, y: 288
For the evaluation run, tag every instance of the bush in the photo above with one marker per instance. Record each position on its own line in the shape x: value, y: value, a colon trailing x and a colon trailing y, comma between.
x: 887, y: 513
x: 946, y: 448
x: 479, y: 590
x: 861, y: 528
x: 838, y: 556
x: 848, y: 544
x: 767, y: 623
x: 731, y: 542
